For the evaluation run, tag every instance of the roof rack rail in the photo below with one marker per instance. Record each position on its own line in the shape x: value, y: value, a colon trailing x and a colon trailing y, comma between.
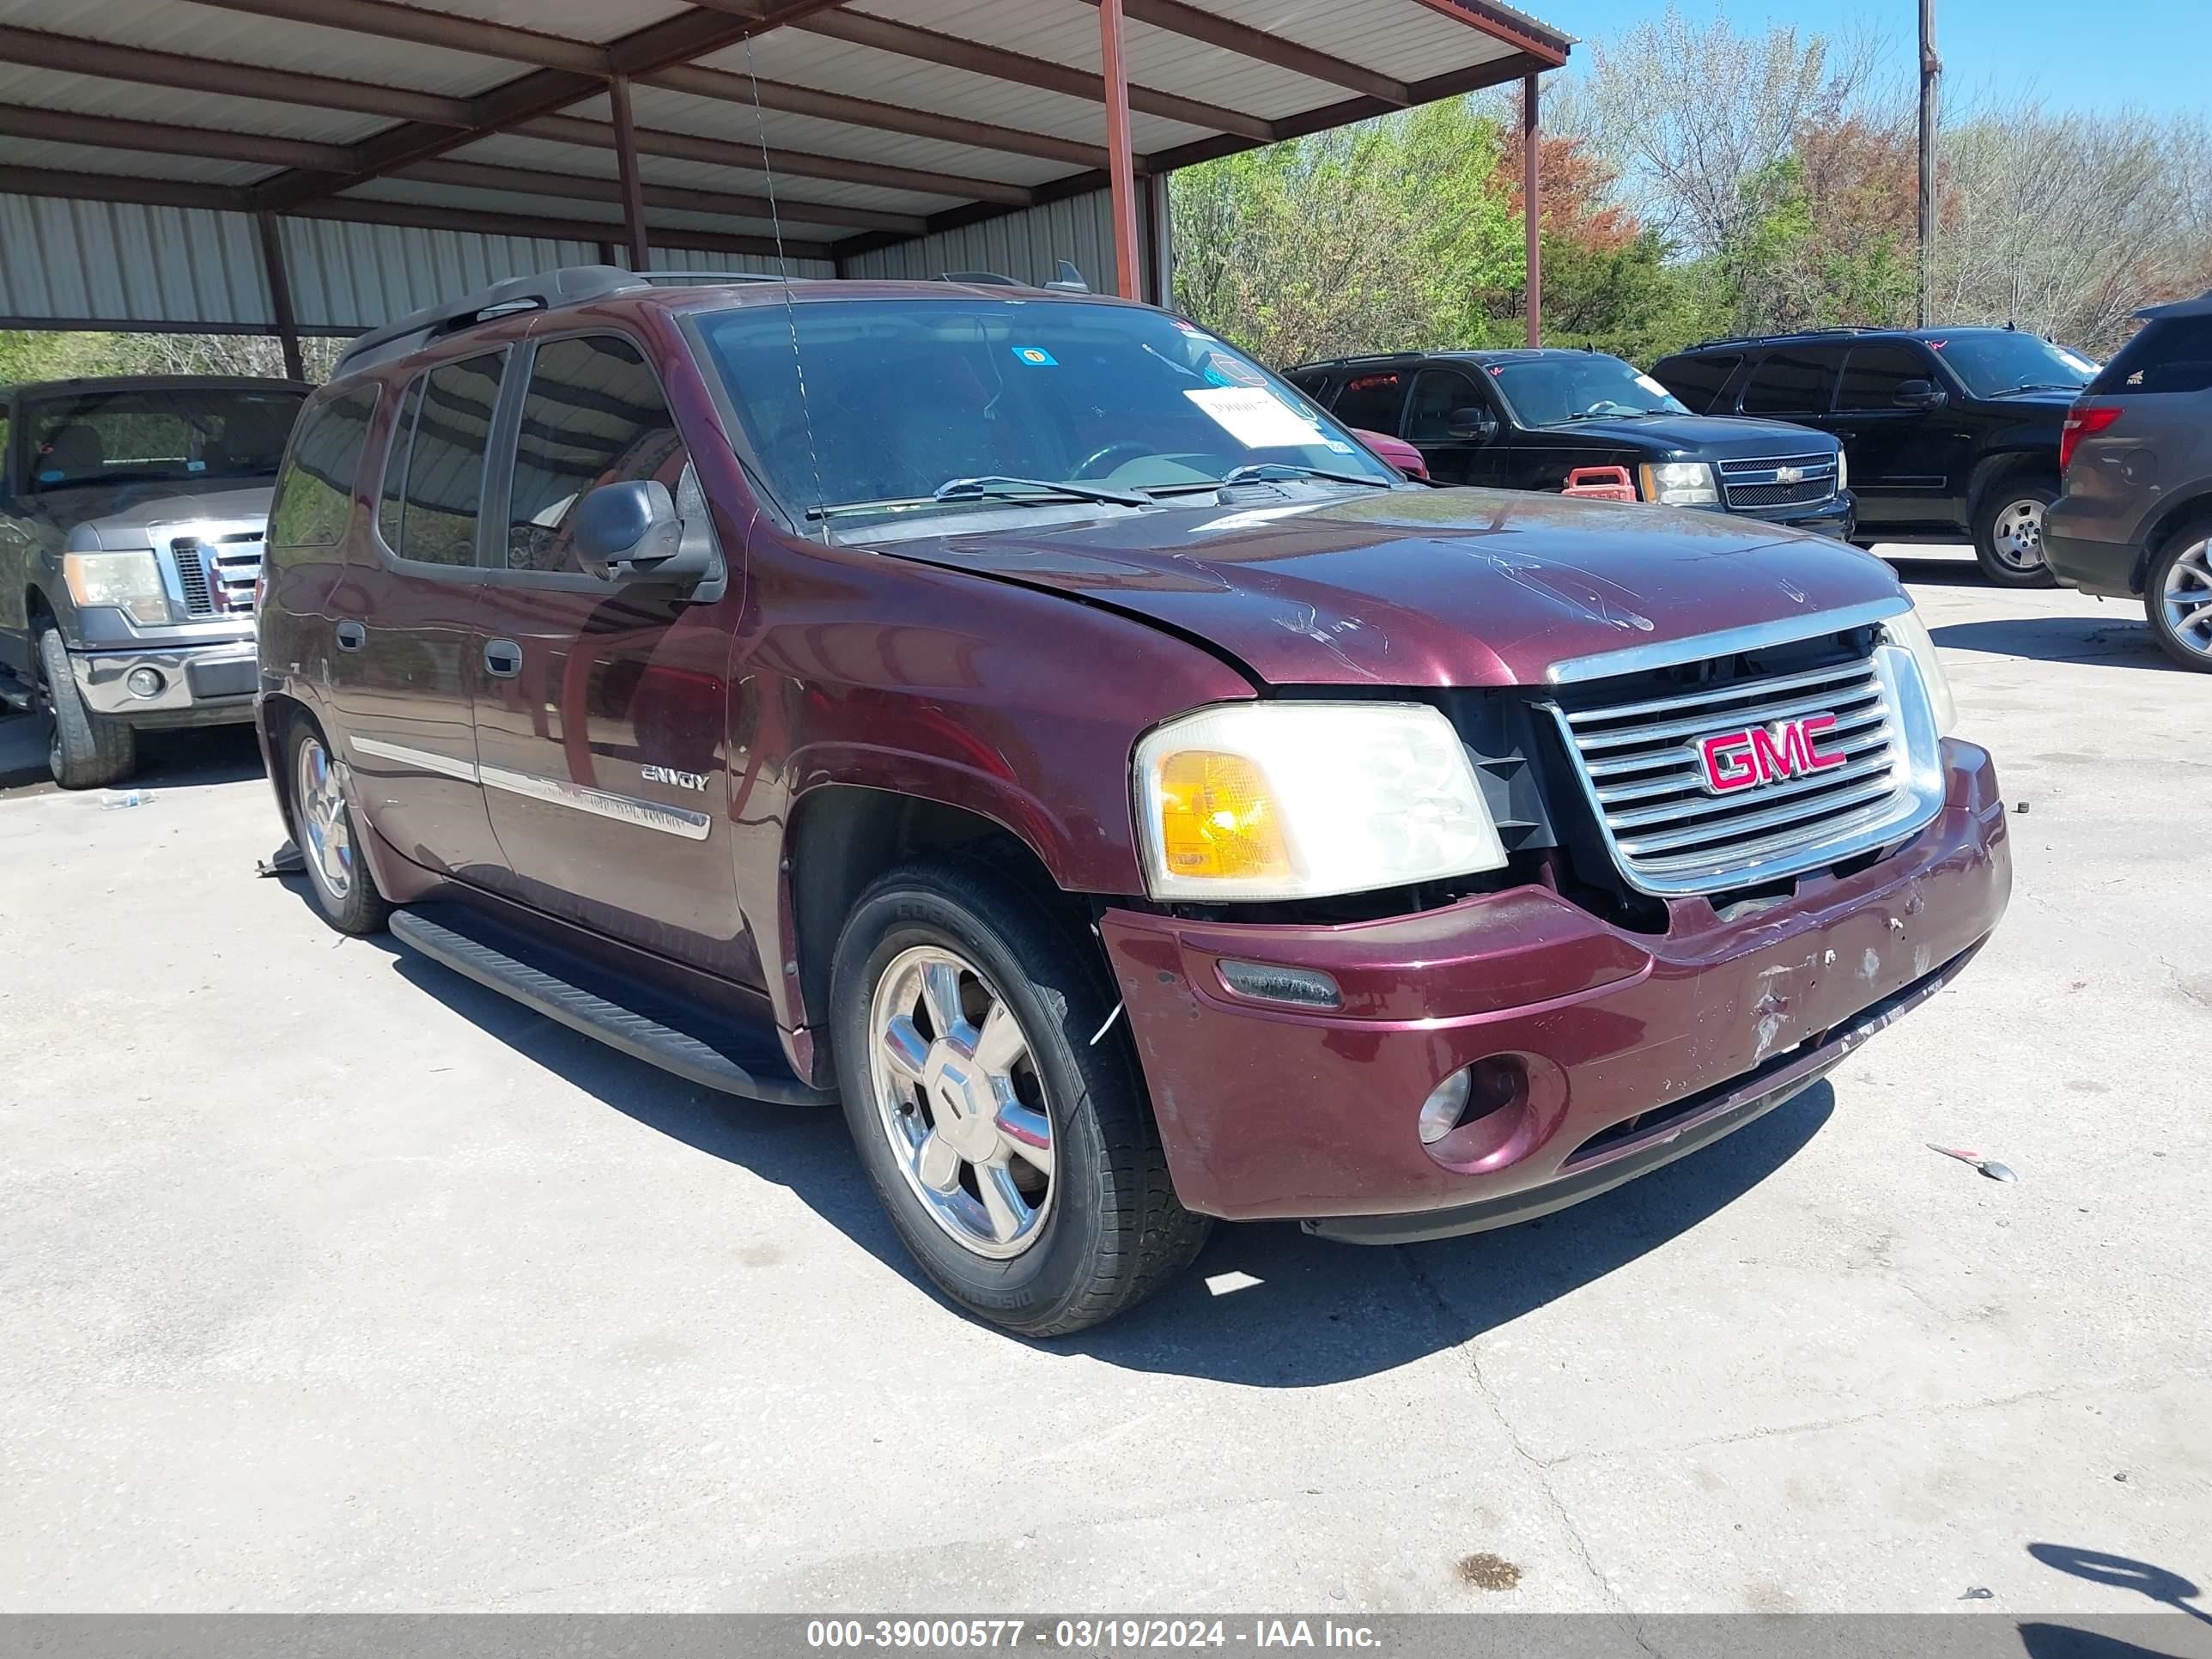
x: 539, y: 292
x: 1785, y: 334
x: 1066, y: 279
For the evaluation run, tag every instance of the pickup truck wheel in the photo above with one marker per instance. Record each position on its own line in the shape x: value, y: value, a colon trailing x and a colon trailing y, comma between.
x: 2008, y: 532
x: 86, y: 750
x: 1018, y: 1160
x: 2177, y: 598
x: 323, y: 829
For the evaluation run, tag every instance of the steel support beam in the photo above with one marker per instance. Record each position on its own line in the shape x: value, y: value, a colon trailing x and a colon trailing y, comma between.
x: 1248, y: 42
x: 681, y: 198
x: 1121, y: 171
x: 633, y: 192
x: 162, y: 138
x: 280, y: 293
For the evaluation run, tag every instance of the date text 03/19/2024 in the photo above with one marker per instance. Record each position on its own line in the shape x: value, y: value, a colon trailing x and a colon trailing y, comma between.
x: 1087, y: 1635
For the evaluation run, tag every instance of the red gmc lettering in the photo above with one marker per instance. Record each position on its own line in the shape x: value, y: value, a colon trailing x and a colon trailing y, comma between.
x: 1765, y: 754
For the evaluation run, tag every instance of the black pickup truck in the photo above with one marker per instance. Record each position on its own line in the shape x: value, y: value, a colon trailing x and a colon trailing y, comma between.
x: 1539, y: 419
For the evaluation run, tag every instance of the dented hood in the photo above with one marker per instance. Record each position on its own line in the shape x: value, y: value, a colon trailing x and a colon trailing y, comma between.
x: 1424, y: 588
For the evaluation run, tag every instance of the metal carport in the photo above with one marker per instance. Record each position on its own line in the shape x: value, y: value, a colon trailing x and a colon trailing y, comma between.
x: 294, y: 167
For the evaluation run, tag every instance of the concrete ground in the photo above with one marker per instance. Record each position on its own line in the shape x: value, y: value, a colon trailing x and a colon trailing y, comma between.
x: 330, y: 1281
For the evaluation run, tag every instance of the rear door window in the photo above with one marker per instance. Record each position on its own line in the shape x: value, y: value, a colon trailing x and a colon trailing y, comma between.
x: 1438, y: 394
x: 1793, y: 380
x: 1872, y: 375
x: 1373, y: 400
x: 2171, y: 354
x: 594, y: 414
x: 1697, y: 381
x: 433, y: 476
x: 314, y: 493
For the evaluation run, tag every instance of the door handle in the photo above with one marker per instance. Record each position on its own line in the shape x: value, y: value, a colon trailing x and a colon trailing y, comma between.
x: 503, y: 659
x: 351, y: 636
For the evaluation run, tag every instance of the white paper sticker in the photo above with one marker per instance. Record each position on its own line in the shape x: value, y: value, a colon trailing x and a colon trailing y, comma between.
x: 1256, y: 417
x: 1652, y: 387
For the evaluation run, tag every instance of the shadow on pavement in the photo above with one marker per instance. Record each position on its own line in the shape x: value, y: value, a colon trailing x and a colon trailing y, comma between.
x: 2047, y: 1641
x: 1303, y: 1312
x: 2123, y: 638
x: 1937, y: 573
x: 166, y: 760
x: 2124, y: 1572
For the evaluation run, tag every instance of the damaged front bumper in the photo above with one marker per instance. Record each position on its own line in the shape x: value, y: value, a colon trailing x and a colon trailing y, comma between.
x: 1629, y: 1048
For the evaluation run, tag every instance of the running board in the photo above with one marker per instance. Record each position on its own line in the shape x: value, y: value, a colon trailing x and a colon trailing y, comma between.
x: 19, y: 694
x: 638, y: 1035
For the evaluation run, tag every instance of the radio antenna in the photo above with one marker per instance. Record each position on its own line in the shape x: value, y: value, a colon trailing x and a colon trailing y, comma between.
x: 783, y: 269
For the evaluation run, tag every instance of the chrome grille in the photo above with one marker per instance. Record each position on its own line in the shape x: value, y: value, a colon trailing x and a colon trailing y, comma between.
x: 215, y: 574
x: 1764, y: 480
x: 1669, y: 834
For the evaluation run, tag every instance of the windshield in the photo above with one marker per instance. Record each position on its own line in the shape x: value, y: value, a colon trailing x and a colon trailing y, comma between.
x: 1995, y: 360
x: 1553, y: 390
x: 168, y: 432
x: 902, y: 397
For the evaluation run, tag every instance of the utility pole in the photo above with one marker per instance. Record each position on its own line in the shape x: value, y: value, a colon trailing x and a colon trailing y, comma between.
x: 1931, y: 71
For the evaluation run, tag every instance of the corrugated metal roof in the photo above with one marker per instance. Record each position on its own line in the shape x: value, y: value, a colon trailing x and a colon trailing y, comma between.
x: 515, y: 151
x: 95, y: 260
x: 1417, y: 43
x: 608, y: 214
x: 128, y: 163
x: 86, y: 94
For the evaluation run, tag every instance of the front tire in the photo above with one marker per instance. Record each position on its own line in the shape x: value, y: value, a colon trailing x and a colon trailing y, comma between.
x: 2008, y: 532
x: 86, y: 750
x: 324, y: 830
x: 1017, y: 1159
x: 2177, y: 598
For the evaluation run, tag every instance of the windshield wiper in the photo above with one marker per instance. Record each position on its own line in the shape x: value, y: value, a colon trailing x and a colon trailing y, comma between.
x: 953, y: 491
x: 2042, y: 385
x: 1259, y: 472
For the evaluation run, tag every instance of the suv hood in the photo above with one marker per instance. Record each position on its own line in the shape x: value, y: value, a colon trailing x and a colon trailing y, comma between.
x: 1702, y: 437
x: 124, y: 515
x: 1419, y: 587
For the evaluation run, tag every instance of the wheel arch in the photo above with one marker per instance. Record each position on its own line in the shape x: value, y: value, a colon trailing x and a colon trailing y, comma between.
x: 2173, y: 518
x: 1992, y: 472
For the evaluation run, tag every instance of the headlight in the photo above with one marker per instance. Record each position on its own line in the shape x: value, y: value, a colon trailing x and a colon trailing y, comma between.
x: 1679, y: 484
x: 1843, y: 470
x: 1274, y: 801
x: 130, y: 580
x: 1909, y: 631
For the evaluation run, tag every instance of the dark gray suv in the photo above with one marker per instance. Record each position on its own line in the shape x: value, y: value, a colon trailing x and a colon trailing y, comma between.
x: 2135, y: 519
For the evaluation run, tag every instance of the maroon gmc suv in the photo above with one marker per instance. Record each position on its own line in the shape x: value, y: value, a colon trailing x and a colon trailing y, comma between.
x: 1018, y: 716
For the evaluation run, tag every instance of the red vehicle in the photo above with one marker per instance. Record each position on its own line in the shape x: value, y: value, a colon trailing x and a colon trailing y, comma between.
x: 1396, y: 451
x: 1040, y: 729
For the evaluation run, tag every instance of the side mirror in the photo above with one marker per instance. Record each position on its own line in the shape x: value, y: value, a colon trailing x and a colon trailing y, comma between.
x: 1919, y: 394
x: 632, y: 532
x: 1479, y: 424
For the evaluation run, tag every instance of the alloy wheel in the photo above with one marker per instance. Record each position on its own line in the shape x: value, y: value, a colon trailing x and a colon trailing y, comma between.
x: 2186, y: 598
x: 959, y: 1099
x: 2016, y: 535
x: 323, y: 818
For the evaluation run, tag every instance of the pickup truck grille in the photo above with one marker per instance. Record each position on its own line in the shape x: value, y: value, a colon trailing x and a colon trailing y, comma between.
x: 1768, y: 481
x: 215, y: 574
x: 1673, y: 831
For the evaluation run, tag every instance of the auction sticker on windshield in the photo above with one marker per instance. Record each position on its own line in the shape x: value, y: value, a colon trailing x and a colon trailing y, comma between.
x: 1256, y: 418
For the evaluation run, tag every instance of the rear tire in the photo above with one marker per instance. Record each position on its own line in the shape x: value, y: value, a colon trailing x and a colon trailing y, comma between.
x: 1082, y: 1225
x: 2009, y: 531
x: 324, y: 830
x: 86, y: 750
x: 2178, y: 597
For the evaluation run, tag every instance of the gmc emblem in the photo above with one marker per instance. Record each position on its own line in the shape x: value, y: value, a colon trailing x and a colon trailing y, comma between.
x: 1753, y: 755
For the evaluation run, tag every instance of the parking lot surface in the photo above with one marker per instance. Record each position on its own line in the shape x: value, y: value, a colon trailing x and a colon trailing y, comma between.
x: 329, y: 1280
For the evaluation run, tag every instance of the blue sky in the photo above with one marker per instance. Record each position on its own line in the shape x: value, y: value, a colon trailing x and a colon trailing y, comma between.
x: 2074, y: 54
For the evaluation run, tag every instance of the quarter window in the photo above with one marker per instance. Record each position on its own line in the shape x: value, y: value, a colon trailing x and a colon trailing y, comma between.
x: 1872, y: 373
x: 314, y: 494
x: 1794, y: 380
x: 594, y: 414
x: 2171, y: 354
x: 1697, y: 381
x: 434, y: 478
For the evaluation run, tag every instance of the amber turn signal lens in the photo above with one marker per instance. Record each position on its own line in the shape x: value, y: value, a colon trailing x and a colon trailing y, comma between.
x: 1218, y: 819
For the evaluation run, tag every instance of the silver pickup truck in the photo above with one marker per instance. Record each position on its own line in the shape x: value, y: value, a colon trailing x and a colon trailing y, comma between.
x: 132, y: 518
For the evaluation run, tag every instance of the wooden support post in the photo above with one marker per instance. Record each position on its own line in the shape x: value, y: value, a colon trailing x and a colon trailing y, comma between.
x: 280, y: 295
x: 1531, y: 212
x: 633, y: 191
x: 1121, y: 165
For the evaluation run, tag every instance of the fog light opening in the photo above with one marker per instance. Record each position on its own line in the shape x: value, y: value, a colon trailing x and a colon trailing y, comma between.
x: 1304, y: 988
x: 144, y: 682
x: 1491, y: 1084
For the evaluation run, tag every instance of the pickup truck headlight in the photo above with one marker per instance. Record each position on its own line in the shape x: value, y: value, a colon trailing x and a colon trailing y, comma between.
x: 1909, y: 631
x: 130, y: 581
x: 1279, y: 800
x: 1679, y: 484
x: 1843, y: 468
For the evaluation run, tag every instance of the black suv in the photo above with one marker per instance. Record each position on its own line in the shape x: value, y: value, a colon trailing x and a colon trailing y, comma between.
x: 1528, y: 419
x: 1951, y: 432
